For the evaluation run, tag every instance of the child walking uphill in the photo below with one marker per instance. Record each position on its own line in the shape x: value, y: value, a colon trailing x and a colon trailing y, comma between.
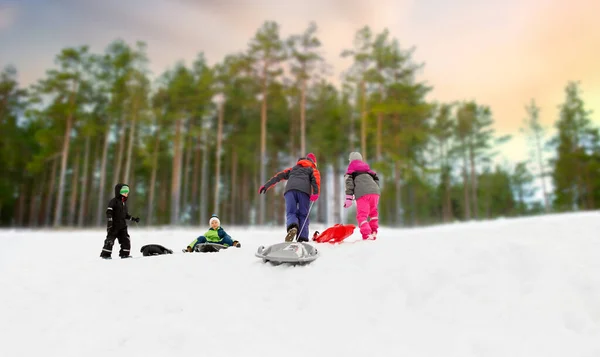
x: 215, y: 234
x: 116, y: 223
x: 303, y: 185
x: 363, y: 183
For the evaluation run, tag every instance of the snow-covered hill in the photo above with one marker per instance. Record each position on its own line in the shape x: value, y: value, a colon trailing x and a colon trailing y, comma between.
x: 519, y: 287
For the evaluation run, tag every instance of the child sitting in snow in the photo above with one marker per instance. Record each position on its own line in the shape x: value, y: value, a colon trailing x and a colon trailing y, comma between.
x: 362, y: 183
x: 215, y: 234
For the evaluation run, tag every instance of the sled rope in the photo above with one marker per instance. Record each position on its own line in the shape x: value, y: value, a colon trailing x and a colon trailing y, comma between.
x: 307, y: 215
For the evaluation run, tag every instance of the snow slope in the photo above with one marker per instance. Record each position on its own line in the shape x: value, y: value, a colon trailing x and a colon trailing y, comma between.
x: 519, y: 287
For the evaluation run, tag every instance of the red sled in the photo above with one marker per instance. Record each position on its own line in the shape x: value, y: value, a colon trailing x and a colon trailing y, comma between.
x: 334, y: 234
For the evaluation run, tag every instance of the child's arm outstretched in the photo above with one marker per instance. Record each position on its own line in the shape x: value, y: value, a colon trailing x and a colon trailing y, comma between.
x: 131, y: 218
x: 282, y: 175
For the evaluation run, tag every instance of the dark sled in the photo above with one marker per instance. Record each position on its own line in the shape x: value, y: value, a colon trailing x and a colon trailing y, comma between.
x: 154, y: 249
x: 209, y: 247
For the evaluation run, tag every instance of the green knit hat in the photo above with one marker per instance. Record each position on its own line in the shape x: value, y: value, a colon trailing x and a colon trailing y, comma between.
x: 124, y: 189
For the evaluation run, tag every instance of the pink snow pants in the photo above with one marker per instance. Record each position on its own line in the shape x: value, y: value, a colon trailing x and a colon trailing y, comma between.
x: 366, y: 207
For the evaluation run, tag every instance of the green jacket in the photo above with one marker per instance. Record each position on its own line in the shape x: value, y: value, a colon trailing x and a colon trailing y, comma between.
x: 213, y: 236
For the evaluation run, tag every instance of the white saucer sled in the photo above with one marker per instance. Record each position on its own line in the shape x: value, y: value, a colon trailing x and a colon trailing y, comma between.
x: 288, y: 252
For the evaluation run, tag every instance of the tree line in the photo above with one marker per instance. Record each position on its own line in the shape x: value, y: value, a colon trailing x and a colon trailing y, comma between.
x: 202, y: 138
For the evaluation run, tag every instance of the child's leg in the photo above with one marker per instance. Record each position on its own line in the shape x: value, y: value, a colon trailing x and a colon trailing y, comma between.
x: 108, y: 245
x: 374, y: 212
x: 290, y: 209
x: 124, y: 242
x: 303, y: 219
x: 362, y: 211
x: 195, y: 242
x: 227, y: 241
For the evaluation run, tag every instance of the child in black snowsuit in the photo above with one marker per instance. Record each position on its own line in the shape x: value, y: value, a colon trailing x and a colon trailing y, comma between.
x: 116, y: 223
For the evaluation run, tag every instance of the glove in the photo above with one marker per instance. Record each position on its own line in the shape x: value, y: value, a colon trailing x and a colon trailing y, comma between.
x: 135, y: 219
x: 314, y: 197
x: 348, y: 202
x: 262, y: 189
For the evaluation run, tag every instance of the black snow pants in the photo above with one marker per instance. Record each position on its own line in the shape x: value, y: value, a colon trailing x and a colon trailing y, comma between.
x: 123, y: 237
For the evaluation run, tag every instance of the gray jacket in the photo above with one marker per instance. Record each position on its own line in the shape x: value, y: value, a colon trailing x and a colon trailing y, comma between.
x: 360, y: 180
x: 303, y: 177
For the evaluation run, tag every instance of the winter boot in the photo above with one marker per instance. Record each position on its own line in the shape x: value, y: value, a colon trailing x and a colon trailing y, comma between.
x: 371, y: 236
x: 291, y: 234
x: 187, y: 250
x: 315, y: 235
x: 237, y: 244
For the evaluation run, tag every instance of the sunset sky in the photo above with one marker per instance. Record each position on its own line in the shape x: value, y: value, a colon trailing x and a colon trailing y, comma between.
x: 500, y: 53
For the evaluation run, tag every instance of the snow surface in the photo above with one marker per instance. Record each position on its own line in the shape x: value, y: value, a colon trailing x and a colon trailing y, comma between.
x: 514, y: 287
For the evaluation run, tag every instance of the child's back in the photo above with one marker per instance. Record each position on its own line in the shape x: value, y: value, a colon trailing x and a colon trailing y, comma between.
x: 361, y: 180
x: 362, y: 184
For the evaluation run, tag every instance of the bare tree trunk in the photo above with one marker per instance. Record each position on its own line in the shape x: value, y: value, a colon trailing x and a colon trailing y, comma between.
x: 101, y: 199
x: 263, y: 145
x: 36, y: 200
x: 380, y: 125
x: 337, y: 175
x: 51, y: 188
x: 163, y: 202
x: 58, y: 210
x: 542, y: 171
x: 399, y: 208
x: 195, y: 180
x: 122, y: 131
x: 323, y: 211
x: 131, y: 140
x: 466, y: 190
x: 363, y: 119
x: 448, y: 200
x: 152, y: 190
x: 204, y: 180
x: 271, y: 204
x: 40, y: 212
x: 303, y: 117
x: 233, y: 200
x: 74, y: 190
x: 245, y: 199
x: 443, y: 182
x: 292, y: 135
x: 588, y: 189
x: 186, y: 169
x: 21, y: 204
x: 98, y: 146
x: 176, y: 176
x: 218, y: 157
x: 473, y: 183
x: 84, y: 183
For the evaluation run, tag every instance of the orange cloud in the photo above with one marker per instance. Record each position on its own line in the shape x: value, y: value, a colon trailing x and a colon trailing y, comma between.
x: 532, y: 54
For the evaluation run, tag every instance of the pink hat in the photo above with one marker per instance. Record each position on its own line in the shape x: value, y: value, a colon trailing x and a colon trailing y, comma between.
x: 312, y: 157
